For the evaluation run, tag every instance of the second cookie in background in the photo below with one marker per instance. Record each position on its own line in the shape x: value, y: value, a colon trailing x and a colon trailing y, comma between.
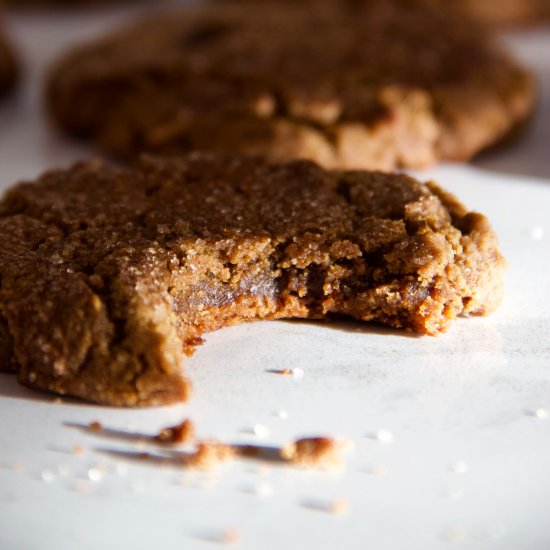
x: 397, y: 87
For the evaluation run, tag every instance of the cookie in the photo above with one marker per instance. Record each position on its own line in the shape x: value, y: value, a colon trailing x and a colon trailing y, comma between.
x: 108, y: 276
x: 393, y: 88
x: 8, y: 68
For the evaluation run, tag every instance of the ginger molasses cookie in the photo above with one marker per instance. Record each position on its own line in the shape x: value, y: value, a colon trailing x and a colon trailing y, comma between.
x: 394, y: 87
x: 8, y: 68
x: 108, y: 277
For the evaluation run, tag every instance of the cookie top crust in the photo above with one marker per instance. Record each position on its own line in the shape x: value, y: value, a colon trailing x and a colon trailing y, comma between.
x: 398, y: 86
x: 8, y: 69
x: 108, y: 277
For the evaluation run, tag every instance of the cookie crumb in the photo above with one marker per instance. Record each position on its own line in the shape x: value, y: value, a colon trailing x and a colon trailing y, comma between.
x: 540, y: 413
x: 339, y: 506
x: 459, y: 467
x: 384, y: 436
x: 182, y: 433
x: 209, y: 454
x: 260, y: 430
x: 95, y: 426
x: 283, y: 372
x: 314, y: 452
x: 537, y: 233
x: 297, y: 372
x: 231, y: 537
x: 264, y: 489
x: 47, y: 475
x: 95, y: 474
x: 78, y: 449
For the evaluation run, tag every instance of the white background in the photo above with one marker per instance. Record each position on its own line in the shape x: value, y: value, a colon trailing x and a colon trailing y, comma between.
x: 469, y: 461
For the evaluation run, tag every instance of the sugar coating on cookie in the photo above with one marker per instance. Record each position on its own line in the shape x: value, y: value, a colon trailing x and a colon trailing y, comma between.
x: 398, y: 86
x: 109, y: 277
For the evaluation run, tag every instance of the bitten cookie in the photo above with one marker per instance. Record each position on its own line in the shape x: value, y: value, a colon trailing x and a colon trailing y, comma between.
x: 392, y: 88
x: 8, y: 69
x: 108, y: 277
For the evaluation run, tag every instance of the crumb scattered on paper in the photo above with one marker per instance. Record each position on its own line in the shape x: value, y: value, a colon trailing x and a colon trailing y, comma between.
x: 315, y: 452
x: 182, y: 433
x: 209, y: 454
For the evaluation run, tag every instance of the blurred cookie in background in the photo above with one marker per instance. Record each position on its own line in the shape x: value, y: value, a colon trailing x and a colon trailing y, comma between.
x: 397, y: 87
x: 8, y: 67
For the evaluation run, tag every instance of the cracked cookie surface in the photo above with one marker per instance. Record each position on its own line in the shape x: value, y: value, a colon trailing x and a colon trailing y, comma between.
x: 394, y: 87
x: 109, y: 277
